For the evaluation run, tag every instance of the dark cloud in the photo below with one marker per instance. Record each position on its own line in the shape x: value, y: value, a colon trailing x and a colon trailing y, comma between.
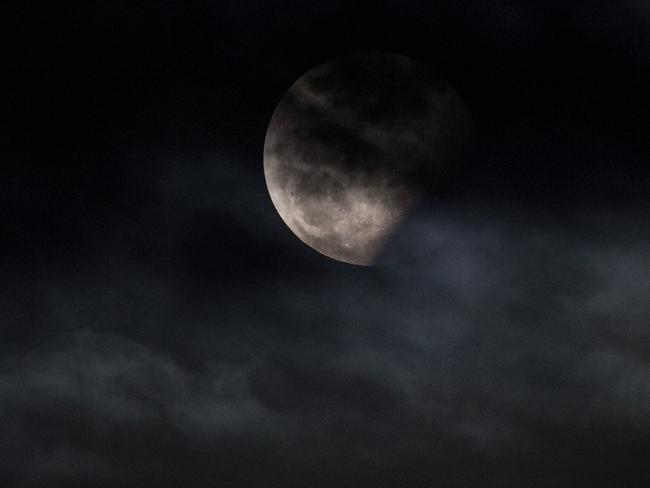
x: 497, y: 354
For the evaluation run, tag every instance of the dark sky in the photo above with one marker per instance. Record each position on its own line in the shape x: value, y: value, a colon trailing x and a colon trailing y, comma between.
x: 161, y: 326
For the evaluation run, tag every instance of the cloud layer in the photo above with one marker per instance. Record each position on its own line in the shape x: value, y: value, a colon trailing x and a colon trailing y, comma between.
x: 503, y: 348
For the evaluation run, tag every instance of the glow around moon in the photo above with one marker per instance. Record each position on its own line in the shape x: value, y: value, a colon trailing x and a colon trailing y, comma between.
x: 349, y: 147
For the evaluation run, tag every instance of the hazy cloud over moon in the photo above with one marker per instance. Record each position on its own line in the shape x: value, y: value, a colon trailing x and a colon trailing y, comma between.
x: 350, y: 144
x: 503, y: 356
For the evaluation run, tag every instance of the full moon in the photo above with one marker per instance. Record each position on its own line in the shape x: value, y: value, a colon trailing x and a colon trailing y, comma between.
x: 351, y: 146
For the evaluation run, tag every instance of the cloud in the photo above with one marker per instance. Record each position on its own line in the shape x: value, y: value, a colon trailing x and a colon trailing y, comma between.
x: 496, y: 355
x: 200, y: 340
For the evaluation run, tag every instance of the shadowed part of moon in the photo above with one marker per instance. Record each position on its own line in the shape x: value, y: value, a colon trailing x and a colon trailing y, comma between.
x: 349, y: 145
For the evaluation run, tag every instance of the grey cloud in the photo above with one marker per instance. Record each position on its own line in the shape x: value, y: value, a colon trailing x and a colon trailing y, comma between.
x: 494, y: 351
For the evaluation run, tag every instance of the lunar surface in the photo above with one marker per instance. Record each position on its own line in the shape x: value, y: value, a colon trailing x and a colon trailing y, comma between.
x: 350, y: 147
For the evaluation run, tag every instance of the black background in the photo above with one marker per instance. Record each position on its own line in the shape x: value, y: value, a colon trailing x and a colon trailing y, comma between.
x: 160, y: 324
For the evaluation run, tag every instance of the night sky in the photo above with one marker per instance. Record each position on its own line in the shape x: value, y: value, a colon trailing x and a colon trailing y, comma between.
x: 161, y: 326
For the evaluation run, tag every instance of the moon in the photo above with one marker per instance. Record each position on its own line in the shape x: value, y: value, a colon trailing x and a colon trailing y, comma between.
x: 351, y: 146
